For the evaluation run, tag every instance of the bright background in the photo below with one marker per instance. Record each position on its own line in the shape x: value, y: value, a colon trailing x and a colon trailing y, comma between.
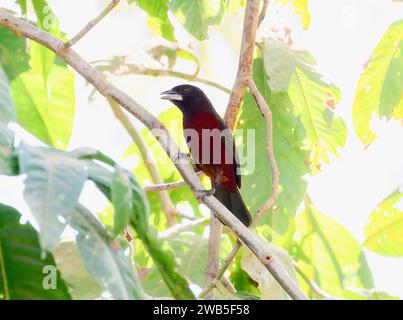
x: 341, y: 37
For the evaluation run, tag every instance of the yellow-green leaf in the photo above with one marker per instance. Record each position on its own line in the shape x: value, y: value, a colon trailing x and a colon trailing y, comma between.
x: 384, y: 231
x: 380, y: 88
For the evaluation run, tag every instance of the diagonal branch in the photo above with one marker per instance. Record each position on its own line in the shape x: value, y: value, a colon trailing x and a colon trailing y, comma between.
x: 167, y: 206
x: 91, y: 24
x: 248, y: 238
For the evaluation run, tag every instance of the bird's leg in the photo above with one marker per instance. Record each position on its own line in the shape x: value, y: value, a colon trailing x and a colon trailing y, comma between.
x: 181, y: 155
x: 201, y: 194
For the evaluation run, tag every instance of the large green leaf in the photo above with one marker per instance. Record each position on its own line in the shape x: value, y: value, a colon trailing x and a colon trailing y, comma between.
x: 158, y: 20
x: 82, y: 285
x: 293, y: 72
x: 379, y: 89
x: 122, y: 199
x: 384, y: 231
x: 24, y: 274
x: 163, y: 260
x: 13, y: 53
x: 46, y: 111
x: 102, y: 259
x: 42, y: 59
x: 7, y: 108
x: 329, y: 255
x: 288, y: 136
x: 197, y: 15
x: 52, y: 188
x: 7, y: 114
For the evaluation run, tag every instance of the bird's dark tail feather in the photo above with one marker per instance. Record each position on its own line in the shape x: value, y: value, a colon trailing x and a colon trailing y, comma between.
x: 234, y: 203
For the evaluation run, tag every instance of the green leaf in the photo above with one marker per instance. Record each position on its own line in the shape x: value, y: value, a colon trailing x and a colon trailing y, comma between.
x: 380, y: 86
x: 197, y: 15
x: 164, y: 261
x: 47, y: 112
x: 293, y: 72
x: 24, y: 274
x: 329, y: 254
x: 7, y: 159
x: 300, y: 7
x: 269, y: 287
x: 7, y: 108
x: 158, y: 20
x: 7, y: 114
x: 288, y: 137
x: 23, y: 5
x: 82, y: 285
x: 122, y: 200
x: 102, y: 259
x: 384, y: 231
x: 13, y: 54
x: 53, y: 186
x: 42, y: 59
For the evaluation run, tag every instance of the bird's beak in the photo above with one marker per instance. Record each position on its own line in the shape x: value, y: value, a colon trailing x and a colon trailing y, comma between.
x: 171, y: 95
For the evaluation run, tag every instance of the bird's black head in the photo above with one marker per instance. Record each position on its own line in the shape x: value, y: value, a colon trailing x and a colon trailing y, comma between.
x: 186, y: 97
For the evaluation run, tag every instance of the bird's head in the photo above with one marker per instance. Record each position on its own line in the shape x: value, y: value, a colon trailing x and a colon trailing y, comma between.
x: 186, y: 97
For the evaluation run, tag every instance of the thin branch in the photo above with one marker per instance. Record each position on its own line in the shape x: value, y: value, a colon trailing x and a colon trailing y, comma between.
x: 321, y: 294
x: 263, y: 12
x: 91, y: 24
x: 167, y: 206
x: 179, y: 228
x: 168, y: 185
x: 250, y: 239
x: 214, y: 253
x: 176, y: 74
x: 275, y: 174
x: 245, y: 62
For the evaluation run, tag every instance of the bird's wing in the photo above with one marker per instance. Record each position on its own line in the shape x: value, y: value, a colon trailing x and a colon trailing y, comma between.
x: 231, y: 144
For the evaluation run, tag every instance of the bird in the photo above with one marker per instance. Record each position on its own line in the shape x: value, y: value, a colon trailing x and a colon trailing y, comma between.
x: 211, y: 147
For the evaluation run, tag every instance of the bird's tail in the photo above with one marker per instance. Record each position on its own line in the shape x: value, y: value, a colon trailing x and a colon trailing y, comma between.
x: 234, y: 203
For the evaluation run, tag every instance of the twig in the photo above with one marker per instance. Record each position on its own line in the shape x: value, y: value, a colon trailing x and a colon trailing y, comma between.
x: 321, y: 294
x: 176, y: 74
x: 245, y: 62
x: 275, y: 174
x: 248, y: 238
x: 214, y: 253
x: 179, y: 228
x: 167, y: 206
x: 167, y: 186
x: 91, y: 24
x: 263, y: 12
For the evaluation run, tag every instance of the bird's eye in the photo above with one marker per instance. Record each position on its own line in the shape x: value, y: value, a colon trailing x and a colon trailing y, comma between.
x: 186, y: 90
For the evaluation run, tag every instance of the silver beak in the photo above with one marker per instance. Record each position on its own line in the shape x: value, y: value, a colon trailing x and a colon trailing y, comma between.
x: 171, y: 95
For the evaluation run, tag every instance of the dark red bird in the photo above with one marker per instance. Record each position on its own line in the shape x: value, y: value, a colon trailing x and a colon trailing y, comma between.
x: 211, y: 146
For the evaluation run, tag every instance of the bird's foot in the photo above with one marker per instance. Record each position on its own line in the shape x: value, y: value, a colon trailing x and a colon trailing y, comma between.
x: 180, y: 155
x: 202, y: 194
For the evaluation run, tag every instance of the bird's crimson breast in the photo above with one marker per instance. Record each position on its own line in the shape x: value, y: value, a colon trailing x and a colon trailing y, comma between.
x: 205, y: 136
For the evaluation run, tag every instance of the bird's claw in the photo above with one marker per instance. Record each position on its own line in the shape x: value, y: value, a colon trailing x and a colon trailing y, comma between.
x: 202, y: 194
x: 180, y: 155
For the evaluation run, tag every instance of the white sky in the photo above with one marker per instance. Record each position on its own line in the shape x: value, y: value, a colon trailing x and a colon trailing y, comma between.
x: 341, y: 37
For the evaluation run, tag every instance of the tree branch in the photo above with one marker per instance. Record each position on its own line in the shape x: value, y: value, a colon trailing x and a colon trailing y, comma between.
x: 245, y: 62
x: 249, y: 238
x: 91, y: 24
x: 167, y: 206
x: 214, y: 253
x: 275, y: 174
